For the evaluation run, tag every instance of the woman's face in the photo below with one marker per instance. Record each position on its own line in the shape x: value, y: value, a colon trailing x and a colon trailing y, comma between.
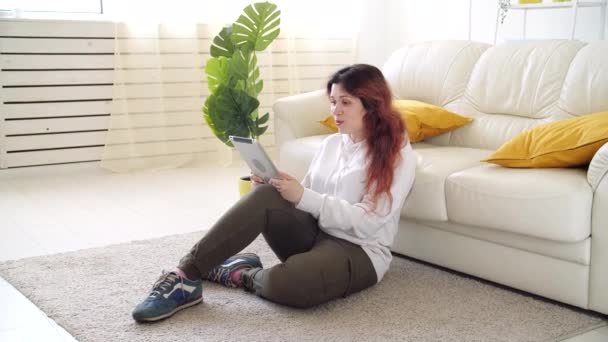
x: 348, y: 111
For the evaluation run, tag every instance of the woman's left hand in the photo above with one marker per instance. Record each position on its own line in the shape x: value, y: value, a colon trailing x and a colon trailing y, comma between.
x: 289, y: 187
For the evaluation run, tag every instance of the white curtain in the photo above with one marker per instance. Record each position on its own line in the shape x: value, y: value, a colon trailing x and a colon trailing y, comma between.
x: 160, y: 85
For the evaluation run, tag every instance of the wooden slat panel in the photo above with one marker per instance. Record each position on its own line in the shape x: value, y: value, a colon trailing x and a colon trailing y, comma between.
x: 308, y: 45
x: 53, y: 156
x: 184, y: 90
x: 56, y: 45
x: 153, y: 105
x: 314, y: 58
x: 164, y: 31
x: 55, y: 28
x: 57, y: 61
x: 166, y: 75
x: 160, y: 90
x: 192, y: 74
x: 120, y: 136
x: 56, y: 93
x: 142, y: 45
x: 164, y: 60
x: 33, y: 142
x: 284, y: 86
x: 130, y: 91
x: 12, y: 78
x: 169, y: 147
x: 151, y: 61
x: 306, y: 72
x: 36, y: 110
x: 75, y: 155
x: 200, y: 89
x: 176, y: 45
x: 13, y: 127
x: 56, y: 125
x: 146, y: 119
x: 183, y: 104
x: 199, y: 60
x: 184, y: 87
x: 138, y: 135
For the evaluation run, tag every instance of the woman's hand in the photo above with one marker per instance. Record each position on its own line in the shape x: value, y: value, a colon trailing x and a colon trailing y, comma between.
x: 289, y: 187
x: 256, y: 181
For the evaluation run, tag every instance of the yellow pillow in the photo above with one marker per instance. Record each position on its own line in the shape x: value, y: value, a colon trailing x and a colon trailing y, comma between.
x: 423, y: 120
x: 563, y: 143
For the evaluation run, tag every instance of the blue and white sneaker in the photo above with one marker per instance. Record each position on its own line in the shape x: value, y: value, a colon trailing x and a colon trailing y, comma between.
x: 221, y: 274
x: 169, y: 294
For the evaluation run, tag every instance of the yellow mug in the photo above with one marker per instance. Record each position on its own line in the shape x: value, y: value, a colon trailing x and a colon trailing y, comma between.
x: 244, y: 185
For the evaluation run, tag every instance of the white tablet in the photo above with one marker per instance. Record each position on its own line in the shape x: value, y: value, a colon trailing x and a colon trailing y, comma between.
x: 254, y: 155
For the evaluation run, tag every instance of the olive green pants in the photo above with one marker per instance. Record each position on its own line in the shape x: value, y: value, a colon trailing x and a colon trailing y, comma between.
x: 315, y: 267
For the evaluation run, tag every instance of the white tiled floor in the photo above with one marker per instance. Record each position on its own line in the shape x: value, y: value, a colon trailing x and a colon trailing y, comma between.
x: 53, y: 209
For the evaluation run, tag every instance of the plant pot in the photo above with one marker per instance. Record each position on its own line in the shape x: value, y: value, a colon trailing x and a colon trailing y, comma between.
x: 244, y: 185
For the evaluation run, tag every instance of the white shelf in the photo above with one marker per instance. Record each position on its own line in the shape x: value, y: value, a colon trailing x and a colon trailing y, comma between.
x: 552, y: 5
x: 573, y: 5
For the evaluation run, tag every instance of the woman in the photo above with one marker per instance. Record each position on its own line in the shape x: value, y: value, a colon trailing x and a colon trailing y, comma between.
x: 332, y: 232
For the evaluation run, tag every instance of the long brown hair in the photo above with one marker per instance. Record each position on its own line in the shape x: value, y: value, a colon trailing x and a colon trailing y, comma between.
x: 384, y: 131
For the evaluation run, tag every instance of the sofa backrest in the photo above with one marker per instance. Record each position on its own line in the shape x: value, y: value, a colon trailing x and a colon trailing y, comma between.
x: 506, y: 88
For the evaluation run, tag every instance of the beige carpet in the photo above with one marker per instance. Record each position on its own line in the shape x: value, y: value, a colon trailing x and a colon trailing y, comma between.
x: 91, y: 293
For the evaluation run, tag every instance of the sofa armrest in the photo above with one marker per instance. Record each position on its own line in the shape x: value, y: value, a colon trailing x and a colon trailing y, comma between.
x: 598, y: 274
x: 598, y: 168
x: 298, y: 116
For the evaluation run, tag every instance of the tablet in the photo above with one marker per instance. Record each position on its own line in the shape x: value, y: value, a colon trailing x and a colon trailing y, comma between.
x: 254, y: 155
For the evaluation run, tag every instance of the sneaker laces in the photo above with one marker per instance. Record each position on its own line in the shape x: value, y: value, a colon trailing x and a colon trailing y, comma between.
x: 221, y: 272
x: 164, y: 283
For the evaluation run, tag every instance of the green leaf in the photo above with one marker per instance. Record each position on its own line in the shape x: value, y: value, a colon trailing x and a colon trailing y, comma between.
x: 233, y: 74
x: 243, y: 66
x: 239, y: 64
x: 254, y: 85
x: 229, y: 109
x: 258, y: 27
x: 217, y: 70
x: 260, y: 130
x: 258, y: 87
x: 222, y: 43
x: 263, y: 119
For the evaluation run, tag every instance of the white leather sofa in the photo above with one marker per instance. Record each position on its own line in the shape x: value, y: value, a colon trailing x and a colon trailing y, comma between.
x: 544, y: 231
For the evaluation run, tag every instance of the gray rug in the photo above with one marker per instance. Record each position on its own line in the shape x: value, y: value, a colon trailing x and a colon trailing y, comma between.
x: 91, y: 293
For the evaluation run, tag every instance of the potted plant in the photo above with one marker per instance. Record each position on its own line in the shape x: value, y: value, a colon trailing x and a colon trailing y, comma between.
x: 233, y: 75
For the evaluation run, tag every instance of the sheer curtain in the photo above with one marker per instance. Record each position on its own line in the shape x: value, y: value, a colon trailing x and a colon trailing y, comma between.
x: 160, y: 85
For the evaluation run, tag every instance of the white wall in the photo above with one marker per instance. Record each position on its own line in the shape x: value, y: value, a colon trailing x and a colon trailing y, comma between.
x: 390, y: 24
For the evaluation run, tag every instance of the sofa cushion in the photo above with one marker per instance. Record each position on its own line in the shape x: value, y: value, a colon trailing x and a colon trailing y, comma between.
x: 513, y: 87
x: 426, y: 200
x: 564, y: 143
x: 425, y: 120
x: 422, y: 120
x: 553, y: 204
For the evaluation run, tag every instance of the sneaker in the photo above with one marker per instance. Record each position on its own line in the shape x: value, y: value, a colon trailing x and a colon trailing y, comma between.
x: 221, y: 274
x: 170, y: 294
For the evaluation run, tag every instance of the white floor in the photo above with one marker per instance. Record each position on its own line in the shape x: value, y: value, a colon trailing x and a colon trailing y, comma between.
x: 46, y: 210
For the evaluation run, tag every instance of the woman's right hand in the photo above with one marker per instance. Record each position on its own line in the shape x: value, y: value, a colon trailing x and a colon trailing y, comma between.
x: 255, y: 181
